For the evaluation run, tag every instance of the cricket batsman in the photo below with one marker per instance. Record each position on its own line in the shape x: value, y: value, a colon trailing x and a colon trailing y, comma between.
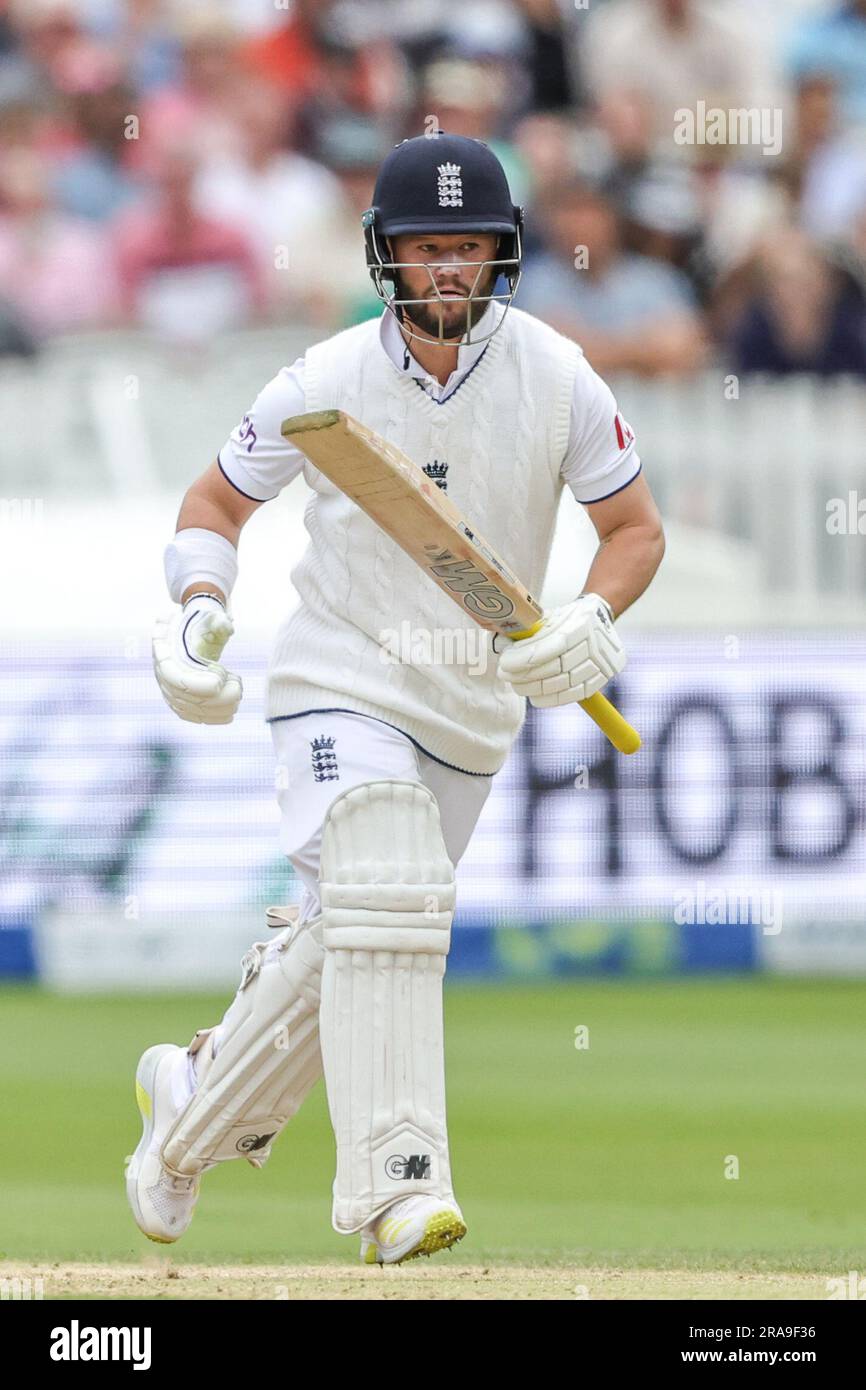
x: 385, y: 765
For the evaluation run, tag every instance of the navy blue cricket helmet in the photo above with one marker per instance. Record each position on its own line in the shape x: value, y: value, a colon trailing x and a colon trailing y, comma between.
x: 443, y: 184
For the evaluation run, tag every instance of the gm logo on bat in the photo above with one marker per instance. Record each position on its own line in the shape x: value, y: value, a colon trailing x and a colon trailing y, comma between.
x: 479, y: 593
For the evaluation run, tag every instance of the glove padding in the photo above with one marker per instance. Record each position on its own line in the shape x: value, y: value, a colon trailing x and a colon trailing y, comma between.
x: 575, y: 652
x: 186, y: 648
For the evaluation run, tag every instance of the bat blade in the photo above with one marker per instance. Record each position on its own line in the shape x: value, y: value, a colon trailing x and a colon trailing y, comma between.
x: 396, y: 494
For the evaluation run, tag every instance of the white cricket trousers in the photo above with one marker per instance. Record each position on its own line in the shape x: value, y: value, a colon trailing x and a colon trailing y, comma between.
x: 320, y: 756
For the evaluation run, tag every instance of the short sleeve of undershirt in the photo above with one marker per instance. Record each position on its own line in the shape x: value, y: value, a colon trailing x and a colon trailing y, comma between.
x: 255, y: 458
x: 601, y: 457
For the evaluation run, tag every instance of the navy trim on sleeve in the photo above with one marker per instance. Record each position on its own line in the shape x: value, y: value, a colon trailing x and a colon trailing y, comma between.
x: 611, y: 494
x: 260, y: 500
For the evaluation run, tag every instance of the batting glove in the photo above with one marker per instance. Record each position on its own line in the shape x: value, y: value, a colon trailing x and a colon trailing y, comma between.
x: 575, y: 652
x: 186, y: 651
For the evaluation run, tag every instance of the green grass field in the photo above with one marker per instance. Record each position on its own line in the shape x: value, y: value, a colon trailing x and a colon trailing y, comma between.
x: 611, y: 1157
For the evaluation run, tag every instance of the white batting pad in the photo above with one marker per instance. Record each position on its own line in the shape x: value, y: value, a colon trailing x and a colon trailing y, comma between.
x: 267, y: 1060
x: 387, y: 892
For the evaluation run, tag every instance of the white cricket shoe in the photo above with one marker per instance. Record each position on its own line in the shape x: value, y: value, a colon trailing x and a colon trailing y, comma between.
x: 410, y: 1227
x: 162, y: 1204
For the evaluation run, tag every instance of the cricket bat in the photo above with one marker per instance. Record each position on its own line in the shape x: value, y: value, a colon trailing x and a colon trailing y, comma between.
x: 396, y: 494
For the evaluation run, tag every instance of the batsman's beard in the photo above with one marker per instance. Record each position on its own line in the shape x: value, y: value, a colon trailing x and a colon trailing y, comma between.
x: 447, y: 319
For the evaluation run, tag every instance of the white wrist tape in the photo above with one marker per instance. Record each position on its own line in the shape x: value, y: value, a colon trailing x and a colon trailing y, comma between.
x: 601, y: 600
x: 196, y: 556
x: 202, y: 598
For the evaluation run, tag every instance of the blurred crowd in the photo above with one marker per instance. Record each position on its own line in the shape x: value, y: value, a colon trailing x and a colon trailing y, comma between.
x: 186, y: 168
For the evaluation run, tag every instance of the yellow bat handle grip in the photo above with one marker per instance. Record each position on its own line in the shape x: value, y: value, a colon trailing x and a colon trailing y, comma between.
x: 624, y: 738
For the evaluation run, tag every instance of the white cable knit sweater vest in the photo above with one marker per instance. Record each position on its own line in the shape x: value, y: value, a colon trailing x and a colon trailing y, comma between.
x: 503, y: 435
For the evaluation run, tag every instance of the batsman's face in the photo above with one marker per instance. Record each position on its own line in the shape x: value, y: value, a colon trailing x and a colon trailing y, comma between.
x: 445, y: 273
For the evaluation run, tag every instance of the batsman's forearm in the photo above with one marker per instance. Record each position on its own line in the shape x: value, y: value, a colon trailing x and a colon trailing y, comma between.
x: 625, y: 564
x: 198, y: 511
x: 201, y: 511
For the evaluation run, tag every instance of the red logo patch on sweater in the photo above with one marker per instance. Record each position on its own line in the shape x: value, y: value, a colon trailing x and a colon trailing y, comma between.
x: 624, y: 432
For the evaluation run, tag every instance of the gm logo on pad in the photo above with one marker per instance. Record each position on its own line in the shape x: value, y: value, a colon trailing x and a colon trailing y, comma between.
x: 415, y: 1168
